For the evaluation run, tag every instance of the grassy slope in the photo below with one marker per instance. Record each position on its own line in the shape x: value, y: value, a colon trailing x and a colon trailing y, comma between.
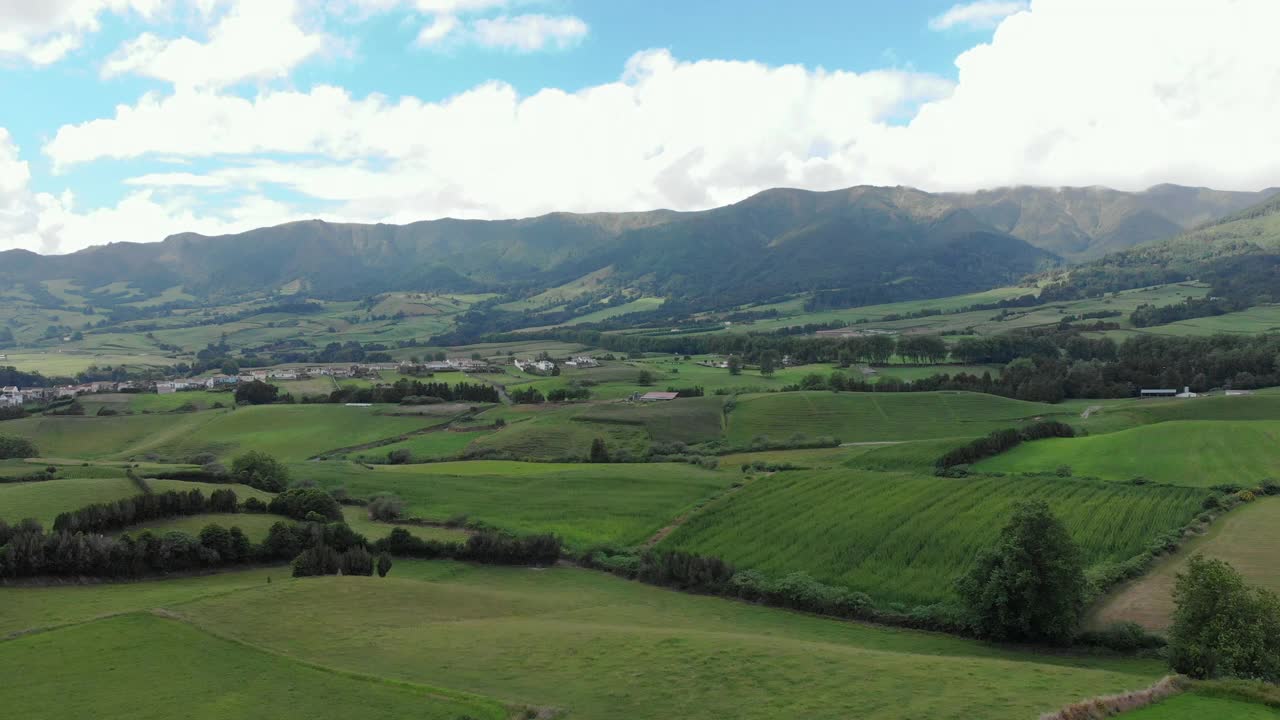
x: 904, y: 537
x: 688, y: 420
x: 554, y: 434
x: 1192, y: 453
x: 585, y: 504
x: 113, y: 663
x: 860, y: 417
x: 1247, y: 537
x: 1190, y: 706
x: 600, y: 647
x: 441, y: 445
x: 45, y: 500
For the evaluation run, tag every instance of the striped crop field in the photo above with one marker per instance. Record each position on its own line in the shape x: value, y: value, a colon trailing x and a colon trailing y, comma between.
x: 904, y: 538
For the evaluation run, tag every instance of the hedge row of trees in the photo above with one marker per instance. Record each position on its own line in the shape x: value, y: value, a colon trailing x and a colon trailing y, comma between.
x: 405, y: 388
x: 487, y: 546
x: 26, y: 550
x: 118, y: 515
x: 1002, y: 441
x: 12, y: 446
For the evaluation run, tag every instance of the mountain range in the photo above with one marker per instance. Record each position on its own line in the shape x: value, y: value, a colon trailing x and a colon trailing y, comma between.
x: 877, y: 244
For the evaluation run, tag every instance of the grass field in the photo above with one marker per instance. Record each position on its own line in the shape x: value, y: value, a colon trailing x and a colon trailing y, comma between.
x: 1247, y: 537
x: 289, y: 432
x: 256, y: 525
x: 865, y: 417
x: 904, y: 538
x: 1192, y: 706
x: 599, y: 647
x: 1200, y: 453
x: 442, y: 445
x: 102, y: 437
x: 45, y: 500
x: 555, y: 434
x: 175, y: 665
x: 688, y: 420
x: 588, y: 644
x: 585, y: 504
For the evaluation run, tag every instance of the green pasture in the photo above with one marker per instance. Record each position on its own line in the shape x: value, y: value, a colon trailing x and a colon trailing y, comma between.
x: 904, y: 537
x: 1196, y: 453
x: 599, y: 647
x: 146, y: 666
x: 687, y: 420
x: 862, y: 417
x: 441, y: 445
x: 1194, y: 706
x: 256, y: 525
x: 1248, y: 537
x: 585, y: 504
x: 68, y: 364
x: 119, y: 436
x: 556, y: 434
x: 45, y: 500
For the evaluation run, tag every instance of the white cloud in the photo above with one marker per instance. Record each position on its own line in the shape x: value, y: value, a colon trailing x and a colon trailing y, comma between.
x: 978, y: 15
x: 255, y: 39
x: 438, y: 30
x: 527, y: 33
x: 43, y: 32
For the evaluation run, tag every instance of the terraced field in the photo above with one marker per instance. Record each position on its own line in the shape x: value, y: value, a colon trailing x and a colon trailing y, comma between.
x: 1199, y: 453
x: 585, y: 504
x: 902, y: 537
x: 1247, y: 537
x: 862, y: 417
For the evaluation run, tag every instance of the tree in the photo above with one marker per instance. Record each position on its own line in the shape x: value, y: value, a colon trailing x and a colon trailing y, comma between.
x: 599, y: 453
x: 256, y: 393
x: 1031, y: 585
x: 260, y: 470
x: 735, y: 365
x: 384, y: 564
x: 768, y: 362
x: 644, y: 378
x: 1223, y: 627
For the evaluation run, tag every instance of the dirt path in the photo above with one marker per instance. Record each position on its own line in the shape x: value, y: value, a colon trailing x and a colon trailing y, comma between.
x: 682, y: 519
x: 1089, y: 411
x: 872, y: 443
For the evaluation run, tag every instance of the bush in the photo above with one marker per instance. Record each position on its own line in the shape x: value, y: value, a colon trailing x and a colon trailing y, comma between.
x: 1003, y: 440
x: 384, y: 564
x: 16, y: 447
x: 260, y: 470
x: 318, y: 560
x: 356, y: 561
x: 256, y: 393
x: 1126, y: 637
x: 299, y: 503
x: 1031, y: 585
x: 385, y: 507
x: 254, y: 505
x: 400, y: 456
x: 1223, y: 627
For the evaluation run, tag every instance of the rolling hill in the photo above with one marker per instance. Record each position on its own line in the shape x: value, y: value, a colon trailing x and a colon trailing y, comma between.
x: 880, y: 243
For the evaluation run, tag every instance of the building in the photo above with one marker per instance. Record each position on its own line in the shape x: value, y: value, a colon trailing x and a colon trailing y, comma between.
x: 658, y: 396
x: 166, y: 388
x: 582, y: 361
x: 1158, y: 392
x: 1186, y: 393
x: 545, y: 367
x: 1238, y: 393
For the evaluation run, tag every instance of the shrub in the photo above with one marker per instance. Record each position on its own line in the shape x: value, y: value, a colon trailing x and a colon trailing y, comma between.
x: 254, y: 505
x: 318, y: 560
x: 260, y: 470
x: 256, y: 393
x: 223, y: 501
x: 16, y: 447
x: 384, y: 564
x: 299, y: 503
x: 599, y: 453
x: 1124, y: 637
x: 386, y: 507
x: 1246, y: 496
x: 1004, y: 440
x: 400, y: 456
x: 1031, y: 585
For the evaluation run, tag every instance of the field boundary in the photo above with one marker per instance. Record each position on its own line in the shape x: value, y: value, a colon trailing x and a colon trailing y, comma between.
x: 1106, y: 706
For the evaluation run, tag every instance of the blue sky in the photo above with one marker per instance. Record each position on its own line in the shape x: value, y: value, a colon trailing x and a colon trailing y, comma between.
x: 134, y: 119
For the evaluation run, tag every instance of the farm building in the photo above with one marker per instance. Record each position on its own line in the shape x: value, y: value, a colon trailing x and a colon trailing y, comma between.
x: 656, y: 396
x: 1158, y: 392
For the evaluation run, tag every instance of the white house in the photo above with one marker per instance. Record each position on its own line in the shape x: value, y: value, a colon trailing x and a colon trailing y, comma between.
x: 166, y: 388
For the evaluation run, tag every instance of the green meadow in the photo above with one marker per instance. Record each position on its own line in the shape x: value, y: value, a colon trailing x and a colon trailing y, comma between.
x: 585, y: 504
x: 870, y: 417
x: 903, y: 537
x: 1196, y: 453
x: 45, y: 500
x: 1194, y: 706
x: 1248, y: 537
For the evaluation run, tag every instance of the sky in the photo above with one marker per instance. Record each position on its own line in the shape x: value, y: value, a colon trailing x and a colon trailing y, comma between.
x: 130, y: 120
